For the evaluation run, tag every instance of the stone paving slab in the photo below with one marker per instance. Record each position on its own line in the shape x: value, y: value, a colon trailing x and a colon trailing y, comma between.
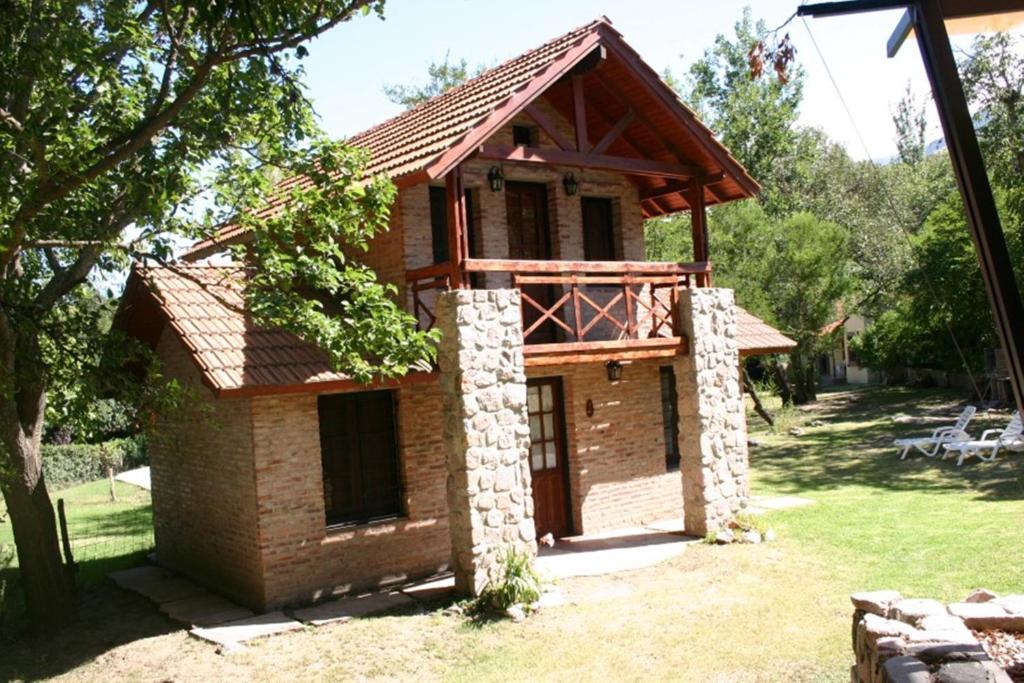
x: 431, y: 589
x: 129, y: 579
x: 156, y: 584
x: 761, y: 504
x: 206, y: 609
x: 231, y: 633
x: 344, y: 609
x: 588, y: 556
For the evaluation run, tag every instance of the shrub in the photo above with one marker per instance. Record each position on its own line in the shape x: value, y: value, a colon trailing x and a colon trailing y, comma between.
x: 72, y: 464
x: 745, y: 521
x: 517, y: 582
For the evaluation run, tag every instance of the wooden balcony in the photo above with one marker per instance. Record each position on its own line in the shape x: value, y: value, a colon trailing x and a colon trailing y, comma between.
x: 575, y: 311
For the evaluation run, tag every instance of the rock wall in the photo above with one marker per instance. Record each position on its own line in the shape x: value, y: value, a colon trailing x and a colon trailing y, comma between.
x: 897, y: 640
x: 712, y: 422
x: 486, y: 431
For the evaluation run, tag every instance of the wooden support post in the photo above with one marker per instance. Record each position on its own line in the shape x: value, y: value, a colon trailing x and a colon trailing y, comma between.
x: 456, y: 200
x: 580, y: 114
x: 698, y: 220
x: 982, y: 216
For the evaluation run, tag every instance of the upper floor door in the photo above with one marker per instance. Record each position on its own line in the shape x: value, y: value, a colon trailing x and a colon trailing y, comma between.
x: 598, y: 230
x: 529, y: 231
x: 529, y: 237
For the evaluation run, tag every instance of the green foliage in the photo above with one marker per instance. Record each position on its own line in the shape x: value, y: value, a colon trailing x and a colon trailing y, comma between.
x: 993, y: 78
x: 443, y: 76
x: 754, y: 117
x: 943, y: 295
x: 790, y: 271
x: 305, y: 276
x: 72, y: 464
x: 516, y: 583
x: 745, y: 521
x: 910, y: 122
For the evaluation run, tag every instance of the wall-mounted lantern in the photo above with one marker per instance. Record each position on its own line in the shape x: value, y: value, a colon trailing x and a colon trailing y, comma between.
x: 614, y: 368
x: 496, y: 179
x: 571, y: 184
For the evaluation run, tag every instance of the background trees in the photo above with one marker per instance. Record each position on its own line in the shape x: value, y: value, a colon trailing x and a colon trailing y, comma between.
x: 129, y: 128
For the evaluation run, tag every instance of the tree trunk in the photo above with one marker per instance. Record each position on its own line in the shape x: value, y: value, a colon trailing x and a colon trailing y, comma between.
x: 748, y: 386
x: 47, y: 583
x: 782, y: 380
x: 803, y: 375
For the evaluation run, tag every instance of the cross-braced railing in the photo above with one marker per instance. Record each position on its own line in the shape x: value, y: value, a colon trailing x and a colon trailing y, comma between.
x: 579, y: 306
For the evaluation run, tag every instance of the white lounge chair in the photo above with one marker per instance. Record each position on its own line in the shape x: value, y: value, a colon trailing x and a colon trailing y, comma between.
x: 930, y: 445
x: 1010, y: 437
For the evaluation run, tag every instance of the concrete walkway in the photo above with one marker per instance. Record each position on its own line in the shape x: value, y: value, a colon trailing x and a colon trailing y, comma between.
x: 137, y: 477
x: 616, y: 551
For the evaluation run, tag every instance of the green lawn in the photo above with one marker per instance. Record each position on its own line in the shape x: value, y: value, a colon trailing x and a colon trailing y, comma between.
x: 105, y: 536
x: 773, y: 612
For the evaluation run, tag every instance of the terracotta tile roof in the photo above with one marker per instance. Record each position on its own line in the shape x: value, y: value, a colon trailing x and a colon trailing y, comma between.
x: 756, y: 337
x: 446, y: 127
x: 204, y: 306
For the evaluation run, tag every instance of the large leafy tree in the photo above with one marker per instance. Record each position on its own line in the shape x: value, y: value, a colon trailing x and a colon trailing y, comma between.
x: 441, y: 76
x: 124, y: 126
x: 790, y: 271
x: 753, y: 116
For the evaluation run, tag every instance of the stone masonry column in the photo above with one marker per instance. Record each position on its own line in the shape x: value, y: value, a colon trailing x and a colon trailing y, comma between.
x: 712, y: 421
x: 486, y: 431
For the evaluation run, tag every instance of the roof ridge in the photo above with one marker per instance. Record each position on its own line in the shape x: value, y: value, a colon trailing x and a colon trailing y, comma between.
x: 486, y: 73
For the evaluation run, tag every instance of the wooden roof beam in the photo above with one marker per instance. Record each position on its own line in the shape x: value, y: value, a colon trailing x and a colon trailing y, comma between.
x: 629, y: 165
x: 676, y: 186
x: 613, y: 134
x: 548, y: 126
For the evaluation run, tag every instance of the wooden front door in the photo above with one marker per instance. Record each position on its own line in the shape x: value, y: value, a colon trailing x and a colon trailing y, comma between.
x: 548, y: 458
x: 529, y: 237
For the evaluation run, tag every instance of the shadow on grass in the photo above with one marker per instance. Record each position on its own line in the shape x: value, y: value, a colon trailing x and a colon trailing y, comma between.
x: 854, y: 448
x: 107, y: 618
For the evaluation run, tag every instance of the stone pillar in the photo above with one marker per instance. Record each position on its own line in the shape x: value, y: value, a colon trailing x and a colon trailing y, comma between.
x: 486, y: 431
x: 712, y: 421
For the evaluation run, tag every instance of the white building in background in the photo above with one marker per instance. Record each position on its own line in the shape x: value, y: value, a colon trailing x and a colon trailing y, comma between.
x: 840, y: 365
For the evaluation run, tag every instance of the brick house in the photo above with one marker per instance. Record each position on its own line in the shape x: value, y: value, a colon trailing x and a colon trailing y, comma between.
x: 579, y: 388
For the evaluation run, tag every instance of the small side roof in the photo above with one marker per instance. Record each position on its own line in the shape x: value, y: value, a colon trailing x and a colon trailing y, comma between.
x: 426, y: 142
x: 756, y: 337
x: 204, y: 307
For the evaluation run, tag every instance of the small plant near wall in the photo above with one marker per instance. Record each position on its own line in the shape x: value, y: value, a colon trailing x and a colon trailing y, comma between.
x: 514, y: 587
x: 743, y: 528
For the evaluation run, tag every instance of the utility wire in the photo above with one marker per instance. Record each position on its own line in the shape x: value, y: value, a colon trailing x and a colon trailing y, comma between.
x: 932, y: 289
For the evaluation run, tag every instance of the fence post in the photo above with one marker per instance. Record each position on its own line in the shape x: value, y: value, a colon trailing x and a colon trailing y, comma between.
x: 65, y: 541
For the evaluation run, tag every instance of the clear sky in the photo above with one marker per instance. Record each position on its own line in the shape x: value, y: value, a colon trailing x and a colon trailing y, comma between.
x: 348, y: 66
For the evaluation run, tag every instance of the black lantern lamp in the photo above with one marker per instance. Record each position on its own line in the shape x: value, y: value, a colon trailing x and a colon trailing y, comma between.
x: 496, y: 179
x: 614, y: 368
x: 571, y: 184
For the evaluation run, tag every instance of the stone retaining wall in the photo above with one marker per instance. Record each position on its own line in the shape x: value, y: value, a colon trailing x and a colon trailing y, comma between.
x: 898, y: 640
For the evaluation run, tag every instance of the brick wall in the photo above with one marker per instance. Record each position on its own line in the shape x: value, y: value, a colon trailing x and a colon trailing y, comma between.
x: 617, y: 457
x: 204, y: 497
x: 565, y: 212
x: 303, y: 561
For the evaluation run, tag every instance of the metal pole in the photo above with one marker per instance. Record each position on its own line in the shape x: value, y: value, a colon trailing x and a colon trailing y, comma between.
x: 972, y: 179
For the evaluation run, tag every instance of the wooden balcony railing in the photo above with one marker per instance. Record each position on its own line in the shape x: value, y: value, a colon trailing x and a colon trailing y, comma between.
x: 579, y: 307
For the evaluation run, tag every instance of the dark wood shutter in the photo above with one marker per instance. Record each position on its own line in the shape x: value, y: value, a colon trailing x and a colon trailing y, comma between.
x: 670, y: 417
x: 439, y: 224
x: 359, y: 450
x: 598, y: 230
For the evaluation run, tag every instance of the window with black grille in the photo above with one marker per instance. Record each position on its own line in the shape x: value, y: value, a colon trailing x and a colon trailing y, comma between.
x: 359, y: 450
x: 670, y: 417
